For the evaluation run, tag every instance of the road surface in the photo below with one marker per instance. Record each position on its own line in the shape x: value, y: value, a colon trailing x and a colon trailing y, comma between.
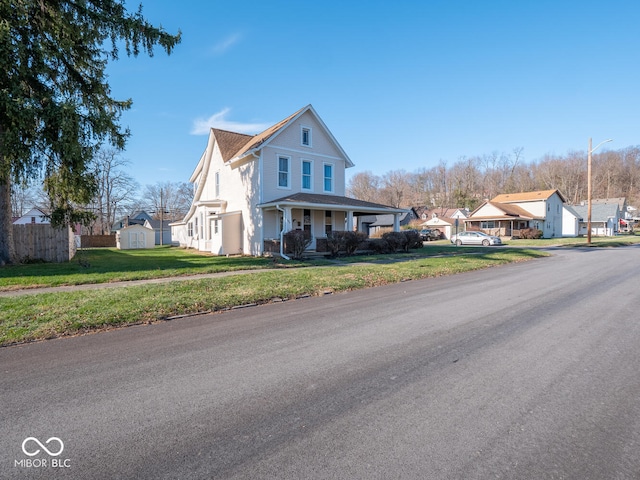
x: 527, y: 371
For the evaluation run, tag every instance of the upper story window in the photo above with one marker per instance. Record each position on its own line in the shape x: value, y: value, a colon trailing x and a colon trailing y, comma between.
x: 217, y: 185
x: 307, y: 169
x: 284, y: 171
x: 305, y: 136
x: 328, y: 177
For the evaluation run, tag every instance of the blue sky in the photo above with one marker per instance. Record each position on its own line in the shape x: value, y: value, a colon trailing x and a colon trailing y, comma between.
x: 400, y: 84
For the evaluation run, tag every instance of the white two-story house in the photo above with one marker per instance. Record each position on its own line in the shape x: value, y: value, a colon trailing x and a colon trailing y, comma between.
x: 506, y: 214
x: 249, y: 190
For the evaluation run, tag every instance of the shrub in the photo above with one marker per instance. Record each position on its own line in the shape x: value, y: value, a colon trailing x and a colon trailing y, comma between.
x: 353, y: 240
x: 397, y: 241
x: 296, y: 242
x: 413, y: 239
x: 348, y: 242
x: 379, y: 245
x: 530, y: 233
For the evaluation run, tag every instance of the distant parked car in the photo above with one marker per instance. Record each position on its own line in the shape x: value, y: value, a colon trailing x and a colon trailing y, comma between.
x: 475, y: 238
x: 427, y: 234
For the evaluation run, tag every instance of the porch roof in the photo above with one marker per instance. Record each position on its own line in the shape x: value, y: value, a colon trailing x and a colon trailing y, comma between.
x: 498, y: 218
x: 331, y: 202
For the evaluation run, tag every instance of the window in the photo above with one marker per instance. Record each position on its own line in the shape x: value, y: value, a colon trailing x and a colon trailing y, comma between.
x: 216, y: 227
x: 190, y: 229
x: 486, y: 225
x: 305, y: 136
x: 283, y: 171
x: 328, y: 177
x: 306, y: 174
x: 217, y: 185
x: 196, y: 226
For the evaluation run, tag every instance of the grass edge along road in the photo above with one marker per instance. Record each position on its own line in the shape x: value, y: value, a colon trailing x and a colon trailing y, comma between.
x: 49, y: 315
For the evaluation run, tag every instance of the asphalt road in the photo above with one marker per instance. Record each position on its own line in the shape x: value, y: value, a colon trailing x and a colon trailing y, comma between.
x: 528, y: 371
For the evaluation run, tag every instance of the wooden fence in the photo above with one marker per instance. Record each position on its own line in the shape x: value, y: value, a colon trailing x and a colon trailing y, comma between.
x: 43, y: 242
x: 94, y: 241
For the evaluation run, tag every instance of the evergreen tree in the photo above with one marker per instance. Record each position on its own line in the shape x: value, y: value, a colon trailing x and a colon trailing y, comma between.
x: 56, y: 108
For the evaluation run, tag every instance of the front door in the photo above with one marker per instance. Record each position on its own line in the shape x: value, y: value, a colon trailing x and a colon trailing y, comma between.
x: 307, y: 226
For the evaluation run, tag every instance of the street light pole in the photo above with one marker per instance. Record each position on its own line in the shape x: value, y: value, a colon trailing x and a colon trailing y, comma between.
x: 590, y: 151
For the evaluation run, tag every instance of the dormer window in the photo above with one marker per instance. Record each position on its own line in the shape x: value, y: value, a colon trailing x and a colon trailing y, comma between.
x: 305, y: 136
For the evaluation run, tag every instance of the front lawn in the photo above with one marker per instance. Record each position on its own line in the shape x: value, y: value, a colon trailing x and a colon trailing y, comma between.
x: 48, y: 315
x: 103, y: 265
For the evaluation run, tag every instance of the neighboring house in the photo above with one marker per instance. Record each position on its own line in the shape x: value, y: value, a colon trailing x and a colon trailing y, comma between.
x: 507, y: 214
x: 34, y: 216
x: 162, y: 231
x: 134, y: 237
x: 372, y: 224
x: 250, y: 190
x: 137, y: 218
x: 425, y: 214
x: 570, y: 221
x: 605, y: 218
x: 445, y: 225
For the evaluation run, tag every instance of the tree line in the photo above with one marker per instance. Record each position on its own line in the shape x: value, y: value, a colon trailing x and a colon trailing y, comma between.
x: 470, y: 181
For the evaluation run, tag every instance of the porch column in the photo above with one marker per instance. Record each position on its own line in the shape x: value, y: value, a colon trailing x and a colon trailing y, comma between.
x: 396, y: 222
x: 349, y: 220
x: 287, y: 224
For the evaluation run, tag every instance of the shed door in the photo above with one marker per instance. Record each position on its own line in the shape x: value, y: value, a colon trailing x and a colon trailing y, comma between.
x: 136, y: 240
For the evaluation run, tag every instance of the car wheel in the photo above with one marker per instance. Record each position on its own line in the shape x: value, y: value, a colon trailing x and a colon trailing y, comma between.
x: 485, y: 243
x: 458, y: 242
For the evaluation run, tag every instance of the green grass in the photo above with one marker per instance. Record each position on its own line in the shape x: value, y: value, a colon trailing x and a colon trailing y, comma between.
x: 103, y: 265
x: 48, y: 315
x: 617, y: 241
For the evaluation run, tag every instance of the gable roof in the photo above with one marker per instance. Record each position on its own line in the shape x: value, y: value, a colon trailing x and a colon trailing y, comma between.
x: 509, y: 212
x: 230, y: 142
x: 256, y: 142
x: 600, y: 212
x: 526, y: 196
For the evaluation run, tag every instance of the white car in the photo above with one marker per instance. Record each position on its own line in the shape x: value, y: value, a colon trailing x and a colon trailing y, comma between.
x: 475, y: 238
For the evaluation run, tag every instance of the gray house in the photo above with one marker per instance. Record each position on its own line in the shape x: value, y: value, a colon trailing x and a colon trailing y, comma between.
x: 605, y: 218
x: 371, y: 224
x: 158, y: 228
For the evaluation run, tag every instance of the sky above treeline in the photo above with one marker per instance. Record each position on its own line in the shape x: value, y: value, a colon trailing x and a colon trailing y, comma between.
x: 400, y: 84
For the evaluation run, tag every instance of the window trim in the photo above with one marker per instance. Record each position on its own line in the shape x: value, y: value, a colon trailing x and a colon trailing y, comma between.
x: 331, y: 178
x: 288, y: 172
x: 302, y: 174
x: 217, y: 184
x: 309, y: 131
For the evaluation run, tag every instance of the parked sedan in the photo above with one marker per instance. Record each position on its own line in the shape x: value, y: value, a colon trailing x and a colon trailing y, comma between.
x: 475, y: 238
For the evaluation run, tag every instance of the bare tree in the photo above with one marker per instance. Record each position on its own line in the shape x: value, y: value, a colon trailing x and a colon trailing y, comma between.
x: 23, y: 198
x: 395, y: 187
x: 167, y: 200
x: 364, y: 186
x: 115, y: 187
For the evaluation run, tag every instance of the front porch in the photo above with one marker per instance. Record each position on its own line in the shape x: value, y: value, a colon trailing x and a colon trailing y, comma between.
x: 499, y: 228
x: 316, y: 214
